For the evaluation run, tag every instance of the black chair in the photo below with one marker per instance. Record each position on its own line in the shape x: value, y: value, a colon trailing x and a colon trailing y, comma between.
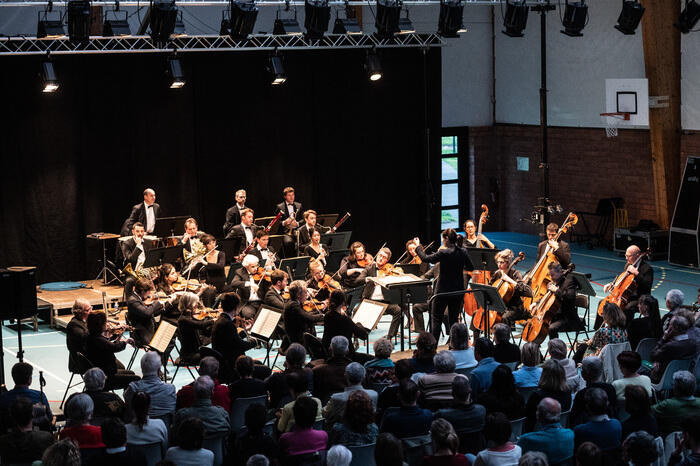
x: 80, y: 365
x: 314, y: 346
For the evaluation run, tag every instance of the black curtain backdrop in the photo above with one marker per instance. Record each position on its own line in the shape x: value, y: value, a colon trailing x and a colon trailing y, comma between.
x: 75, y: 162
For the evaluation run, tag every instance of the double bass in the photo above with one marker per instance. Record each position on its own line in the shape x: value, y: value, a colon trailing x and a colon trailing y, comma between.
x: 537, y: 328
x: 479, y: 276
x: 537, y: 276
x: 623, y: 287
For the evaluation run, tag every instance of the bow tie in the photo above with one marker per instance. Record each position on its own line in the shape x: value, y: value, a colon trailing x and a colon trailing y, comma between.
x: 247, y: 228
x: 150, y: 206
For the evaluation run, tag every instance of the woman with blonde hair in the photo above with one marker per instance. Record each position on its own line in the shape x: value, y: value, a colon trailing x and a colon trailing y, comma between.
x: 445, y: 444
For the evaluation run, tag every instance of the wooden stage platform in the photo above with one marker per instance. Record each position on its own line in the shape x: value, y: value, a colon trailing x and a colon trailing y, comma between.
x: 61, y: 302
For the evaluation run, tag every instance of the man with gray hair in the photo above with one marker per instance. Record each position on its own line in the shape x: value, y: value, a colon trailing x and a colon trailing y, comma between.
x: 436, y: 388
x: 77, y: 332
x: 333, y: 412
x: 207, y: 366
x: 107, y: 404
x: 214, y: 418
x: 550, y: 437
x: 591, y: 372
x: 674, y: 301
x: 329, y: 377
x: 669, y: 413
x: 162, y: 394
x: 675, y: 343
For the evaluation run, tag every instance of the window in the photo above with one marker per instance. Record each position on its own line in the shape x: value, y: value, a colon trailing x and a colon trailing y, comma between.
x: 450, y: 185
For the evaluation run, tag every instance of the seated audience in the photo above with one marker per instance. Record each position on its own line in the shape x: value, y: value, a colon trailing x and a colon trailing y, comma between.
x: 647, y: 326
x: 62, y: 453
x: 298, y: 388
x: 501, y: 451
x: 464, y: 415
x: 338, y: 455
x: 674, y: 301
x: 557, y: 349
x: 529, y: 373
x: 143, y: 430
x: 480, y: 376
x: 638, y: 407
x: 503, y: 350
x: 22, y: 377
x: 116, y: 454
x: 107, y: 404
x: 381, y: 368
x: 630, y: 362
x: 502, y: 396
x: 639, y: 449
x: 23, y: 444
x: 459, y: 346
x: 670, y: 412
x: 675, y: 344
x: 357, y: 426
x: 329, y: 378
x: 162, y: 394
x: 295, y: 358
x: 552, y: 385
x: 188, y: 450
x: 304, y: 438
x: 253, y: 440
x: 533, y: 458
x: 611, y: 332
x: 214, y: 418
x: 588, y: 454
x: 600, y: 429
x: 78, y: 412
x: 409, y: 420
x: 388, y: 451
x: 426, y: 348
x: 207, y: 366
x: 550, y: 437
x: 689, y: 443
x: 389, y: 397
x: 445, y: 444
x: 591, y: 372
x: 354, y: 373
x: 436, y: 388
x: 257, y: 460
x: 246, y: 386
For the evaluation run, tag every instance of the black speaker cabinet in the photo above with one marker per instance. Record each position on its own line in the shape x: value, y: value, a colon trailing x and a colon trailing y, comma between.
x: 684, y: 240
x: 18, y: 291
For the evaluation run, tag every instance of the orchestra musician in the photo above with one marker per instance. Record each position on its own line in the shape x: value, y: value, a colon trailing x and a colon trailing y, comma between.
x: 515, y: 310
x: 190, y: 330
x: 420, y: 308
x: 245, y: 230
x: 472, y: 239
x: 296, y: 320
x: 379, y: 293
x: 167, y: 277
x: 643, y: 277
x: 146, y: 213
x: 304, y: 231
x: 263, y: 250
x: 275, y: 295
x: 564, y: 288
x: 412, y: 258
x: 141, y: 310
x: 291, y: 213
x: 248, y: 289
x: 352, y: 268
x: 77, y: 331
x: 213, y: 263
x: 233, y: 214
x: 338, y: 322
x: 322, y: 283
x: 134, y: 249
x: 192, y: 236
x: 453, y: 261
x: 560, y: 248
x: 316, y: 250
x: 99, y: 350
x: 225, y: 337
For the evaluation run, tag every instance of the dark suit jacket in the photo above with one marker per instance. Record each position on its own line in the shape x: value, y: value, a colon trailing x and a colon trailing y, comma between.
x: 256, y: 253
x: 563, y: 254
x: 240, y: 278
x: 274, y: 299
x: 304, y: 237
x: 188, y: 330
x: 370, y: 286
x: 566, y: 294
x: 141, y: 318
x: 297, y: 321
x: 131, y: 252
x: 100, y: 351
x: 350, y: 281
x: 76, y: 339
x: 285, y: 213
x: 138, y: 214
x: 644, y: 280
x: 453, y: 261
x: 237, y: 232
x: 335, y: 324
x: 233, y: 217
x: 226, y: 340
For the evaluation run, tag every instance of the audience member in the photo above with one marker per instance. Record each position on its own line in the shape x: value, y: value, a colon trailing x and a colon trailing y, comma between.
x: 647, y: 326
x: 298, y: 388
x: 670, y: 412
x: 588, y: 454
x: 62, y: 453
x: 426, y: 348
x: 381, y: 368
x: 116, y: 454
x: 459, y: 346
x: 257, y: 460
x: 503, y: 350
x: 591, y: 372
x: 533, y: 458
x: 529, y: 373
x: 389, y: 397
x: 189, y: 451
x: 388, y: 451
x: 214, y: 418
x: 207, y: 366
x: 502, y: 396
x: 107, y: 404
x: 304, y: 438
x: 675, y: 344
x: 246, y: 386
x: 674, y: 301
x: 409, y: 420
x: 329, y: 377
x: 23, y: 444
x: 600, y: 429
x: 22, y: 377
x: 445, y: 444
x: 357, y: 426
x: 464, y: 415
x: 630, y: 362
x: 142, y: 430
x: 552, y: 385
x: 480, y: 376
x: 338, y: 455
x: 555, y: 441
x: 501, y: 451
x: 638, y: 407
x: 354, y: 373
x: 253, y: 440
x: 640, y: 449
x: 162, y: 394
x: 689, y: 443
x: 78, y: 412
x: 612, y: 331
x: 557, y: 349
x: 295, y: 358
x: 436, y: 388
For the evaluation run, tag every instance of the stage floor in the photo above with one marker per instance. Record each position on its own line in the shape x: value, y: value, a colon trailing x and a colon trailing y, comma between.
x: 46, y: 348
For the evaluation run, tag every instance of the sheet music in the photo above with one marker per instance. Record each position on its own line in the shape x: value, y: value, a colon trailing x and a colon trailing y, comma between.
x: 266, y: 323
x: 163, y: 335
x: 394, y: 279
x: 368, y: 313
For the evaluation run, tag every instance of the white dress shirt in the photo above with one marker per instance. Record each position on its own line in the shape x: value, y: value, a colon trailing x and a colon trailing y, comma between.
x: 150, y: 218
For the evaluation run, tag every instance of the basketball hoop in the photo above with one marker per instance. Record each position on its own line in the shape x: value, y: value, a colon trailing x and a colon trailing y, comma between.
x: 612, y: 121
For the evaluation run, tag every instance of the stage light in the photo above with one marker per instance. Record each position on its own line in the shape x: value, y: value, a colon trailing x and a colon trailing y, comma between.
x: 387, y: 20
x: 49, y: 81
x: 49, y: 28
x: 451, y: 23
x: 405, y: 25
x: 116, y: 27
x: 515, y: 19
x: 689, y: 17
x: 78, y: 20
x: 346, y: 26
x: 163, y: 15
x: 175, y: 73
x: 630, y: 16
x: 242, y: 19
x: 286, y: 27
x: 276, y: 69
x: 575, y: 18
x: 179, y: 28
x: 317, y: 15
x: 373, y: 66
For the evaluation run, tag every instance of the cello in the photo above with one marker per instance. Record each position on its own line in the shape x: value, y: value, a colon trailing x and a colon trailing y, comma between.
x: 481, y: 276
x: 537, y: 328
x: 536, y: 277
x: 623, y: 287
x: 506, y: 290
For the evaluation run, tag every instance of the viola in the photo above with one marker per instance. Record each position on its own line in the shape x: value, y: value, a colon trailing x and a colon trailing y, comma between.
x: 388, y: 269
x: 183, y: 284
x: 537, y: 328
x: 311, y: 305
x: 207, y: 313
x: 260, y: 274
x: 623, y: 287
x: 365, y: 261
x: 328, y: 283
x: 416, y: 260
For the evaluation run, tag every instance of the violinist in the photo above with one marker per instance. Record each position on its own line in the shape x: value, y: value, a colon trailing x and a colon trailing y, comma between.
x: 275, y: 295
x: 213, y: 263
x: 249, y: 290
x: 379, y: 293
x: 643, y: 277
x: 291, y: 214
x: 142, y: 309
x: 99, y: 350
x: 233, y: 214
x: 564, y: 288
x: 296, y: 320
x: 167, y: 277
x: 560, y: 248
x: 337, y: 321
x: 474, y: 240
x: 515, y: 310
x: 263, y: 251
x: 225, y: 337
x: 77, y: 331
x: 245, y: 230
x: 316, y: 250
x: 320, y: 282
x: 191, y: 330
x: 412, y: 258
x: 304, y: 231
x: 352, y: 268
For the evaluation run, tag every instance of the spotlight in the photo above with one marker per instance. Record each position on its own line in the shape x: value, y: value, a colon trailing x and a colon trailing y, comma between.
x: 450, y: 23
x: 405, y: 25
x: 689, y: 17
x: 515, y: 19
x: 49, y: 28
x: 276, y: 69
x: 49, y: 81
x: 373, y: 66
x: 346, y: 26
x: 116, y: 27
x: 286, y: 27
x: 175, y: 73
x: 317, y: 16
x: 179, y: 28
x: 78, y: 20
x: 575, y: 17
x: 630, y: 16
x: 242, y: 19
x: 163, y: 14
x: 387, y: 20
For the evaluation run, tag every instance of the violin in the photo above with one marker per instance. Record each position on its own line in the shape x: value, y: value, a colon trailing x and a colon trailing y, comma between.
x: 312, y: 304
x: 242, y: 323
x: 328, y: 283
x: 183, y: 284
x: 623, y: 287
x: 207, y: 313
x: 388, y: 269
x: 260, y: 274
x: 416, y: 260
x: 365, y: 261
x: 115, y: 329
x: 537, y: 328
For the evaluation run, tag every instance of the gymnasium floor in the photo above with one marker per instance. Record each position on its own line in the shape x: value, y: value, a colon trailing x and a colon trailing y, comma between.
x: 46, y: 349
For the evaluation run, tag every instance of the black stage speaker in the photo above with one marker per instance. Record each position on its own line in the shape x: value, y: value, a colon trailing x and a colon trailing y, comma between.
x: 18, y: 291
x: 684, y: 240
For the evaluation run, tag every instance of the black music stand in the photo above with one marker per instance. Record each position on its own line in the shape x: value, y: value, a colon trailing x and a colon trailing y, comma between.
x: 334, y: 259
x: 295, y: 267
x: 264, y: 325
x: 416, y: 289
x: 336, y: 241
x: 167, y: 255
x: 482, y: 259
x: 487, y: 298
x: 327, y: 220
x: 265, y: 221
x: 231, y: 247
x: 413, y: 269
x: 582, y: 283
x: 166, y: 226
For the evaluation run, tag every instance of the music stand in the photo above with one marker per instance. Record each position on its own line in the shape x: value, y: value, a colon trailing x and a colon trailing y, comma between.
x: 264, y: 325
x: 336, y: 241
x: 482, y: 259
x: 277, y: 243
x: 265, y: 221
x: 582, y: 283
x: 165, y: 226
x: 326, y: 220
x: 231, y: 247
x: 295, y: 267
x: 334, y: 259
x: 411, y: 269
x: 157, y: 256
x: 487, y: 298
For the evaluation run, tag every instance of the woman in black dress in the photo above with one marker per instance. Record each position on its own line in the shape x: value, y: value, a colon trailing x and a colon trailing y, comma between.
x: 191, y: 329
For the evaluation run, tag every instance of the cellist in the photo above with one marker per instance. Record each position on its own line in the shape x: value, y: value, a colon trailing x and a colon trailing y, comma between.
x: 643, y: 277
x: 564, y: 289
x: 515, y: 310
x: 560, y: 248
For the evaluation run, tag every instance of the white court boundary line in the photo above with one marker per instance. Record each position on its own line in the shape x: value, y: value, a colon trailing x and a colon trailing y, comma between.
x: 38, y: 334
x: 38, y: 367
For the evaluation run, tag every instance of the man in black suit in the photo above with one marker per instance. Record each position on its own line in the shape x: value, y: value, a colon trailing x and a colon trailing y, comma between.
x: 225, y: 337
x: 453, y: 261
x: 560, y: 248
x: 77, y: 331
x: 233, y: 214
x: 141, y: 315
x: 250, y: 291
x: 291, y: 213
x: 273, y: 297
x: 379, y: 293
x: 296, y: 319
x: 192, y: 234
x: 263, y: 251
x: 147, y: 213
x: 134, y: 249
x: 643, y: 277
x: 245, y: 230
x: 303, y: 232
x: 564, y: 288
